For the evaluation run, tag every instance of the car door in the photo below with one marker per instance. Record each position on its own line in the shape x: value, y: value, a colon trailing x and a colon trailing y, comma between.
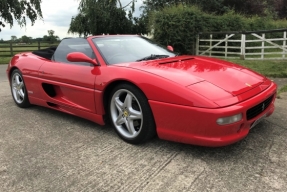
x: 69, y: 84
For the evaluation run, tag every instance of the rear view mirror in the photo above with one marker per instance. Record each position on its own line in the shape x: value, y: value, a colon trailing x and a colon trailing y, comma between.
x: 80, y: 57
x: 169, y: 47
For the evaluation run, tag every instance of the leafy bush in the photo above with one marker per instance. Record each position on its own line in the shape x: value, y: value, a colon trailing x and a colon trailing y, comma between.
x: 179, y: 25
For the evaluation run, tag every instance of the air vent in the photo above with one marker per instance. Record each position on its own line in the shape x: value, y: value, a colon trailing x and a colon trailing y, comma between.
x: 176, y: 60
x: 49, y: 89
x: 52, y: 104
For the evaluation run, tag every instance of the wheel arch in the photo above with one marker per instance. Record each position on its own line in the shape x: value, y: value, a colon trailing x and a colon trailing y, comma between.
x: 111, y: 86
x: 11, y: 71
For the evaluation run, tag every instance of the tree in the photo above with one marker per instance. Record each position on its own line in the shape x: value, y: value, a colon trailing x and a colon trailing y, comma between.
x: 140, y: 25
x: 51, y: 38
x: 13, y: 38
x: 277, y: 8
x: 25, y: 39
x: 102, y: 16
x: 51, y: 33
x: 39, y: 39
x: 159, y: 4
x: 46, y: 38
x: 280, y: 8
x: 213, y: 6
x: 151, y: 6
x: 19, y: 10
x: 247, y: 7
x: 30, y: 39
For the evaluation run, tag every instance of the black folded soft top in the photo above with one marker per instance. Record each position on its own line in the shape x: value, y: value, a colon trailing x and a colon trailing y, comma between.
x: 46, y: 53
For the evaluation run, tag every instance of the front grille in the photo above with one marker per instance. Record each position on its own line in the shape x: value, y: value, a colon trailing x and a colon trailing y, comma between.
x: 256, y: 110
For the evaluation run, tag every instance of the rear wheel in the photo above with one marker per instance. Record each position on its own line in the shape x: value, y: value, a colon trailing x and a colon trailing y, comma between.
x: 18, y: 89
x: 130, y: 114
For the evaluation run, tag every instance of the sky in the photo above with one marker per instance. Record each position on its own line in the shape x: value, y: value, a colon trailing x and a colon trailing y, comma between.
x: 57, y: 16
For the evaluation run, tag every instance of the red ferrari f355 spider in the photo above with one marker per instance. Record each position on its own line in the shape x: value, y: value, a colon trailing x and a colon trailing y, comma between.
x: 144, y: 89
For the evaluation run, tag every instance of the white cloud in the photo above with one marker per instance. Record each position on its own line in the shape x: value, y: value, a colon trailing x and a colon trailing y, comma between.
x: 137, y: 6
x: 57, y: 16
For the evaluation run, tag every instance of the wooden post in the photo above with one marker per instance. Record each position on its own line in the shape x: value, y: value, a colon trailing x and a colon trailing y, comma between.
x: 262, y: 45
x: 39, y: 46
x: 284, y: 44
x: 194, y: 47
x: 243, y: 38
x: 11, y: 49
x: 197, y: 45
x: 226, y: 45
x: 210, y: 44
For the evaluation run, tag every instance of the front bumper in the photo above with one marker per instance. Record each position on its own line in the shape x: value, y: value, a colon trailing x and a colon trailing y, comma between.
x: 198, y: 126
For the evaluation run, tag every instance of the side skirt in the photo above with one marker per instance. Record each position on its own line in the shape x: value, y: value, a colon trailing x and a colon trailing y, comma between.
x: 83, y: 114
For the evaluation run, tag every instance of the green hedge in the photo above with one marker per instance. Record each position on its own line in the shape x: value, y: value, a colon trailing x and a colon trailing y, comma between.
x: 179, y: 25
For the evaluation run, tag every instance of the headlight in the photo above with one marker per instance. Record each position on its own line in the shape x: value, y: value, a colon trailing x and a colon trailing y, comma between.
x: 229, y: 120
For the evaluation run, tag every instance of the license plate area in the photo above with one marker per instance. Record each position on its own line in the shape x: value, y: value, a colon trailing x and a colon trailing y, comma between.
x: 257, y: 121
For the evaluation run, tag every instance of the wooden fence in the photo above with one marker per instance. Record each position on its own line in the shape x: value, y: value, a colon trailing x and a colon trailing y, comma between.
x: 10, y: 49
x: 249, y: 45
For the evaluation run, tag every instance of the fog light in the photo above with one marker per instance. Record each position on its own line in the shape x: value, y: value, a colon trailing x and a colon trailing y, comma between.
x: 229, y: 120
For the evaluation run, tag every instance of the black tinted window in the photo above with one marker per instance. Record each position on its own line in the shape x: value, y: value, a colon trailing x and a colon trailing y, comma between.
x: 73, y: 45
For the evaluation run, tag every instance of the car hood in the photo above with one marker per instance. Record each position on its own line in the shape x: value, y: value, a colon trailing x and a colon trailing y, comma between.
x: 188, y: 70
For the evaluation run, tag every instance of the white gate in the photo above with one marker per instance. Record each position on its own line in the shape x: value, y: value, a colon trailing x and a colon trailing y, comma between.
x: 249, y: 45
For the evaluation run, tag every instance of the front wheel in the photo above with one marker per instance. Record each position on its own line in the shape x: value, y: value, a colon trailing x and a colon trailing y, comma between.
x: 18, y: 89
x: 130, y: 114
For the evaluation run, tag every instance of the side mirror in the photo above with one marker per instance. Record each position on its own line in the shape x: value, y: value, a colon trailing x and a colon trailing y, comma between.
x: 80, y: 57
x: 169, y: 47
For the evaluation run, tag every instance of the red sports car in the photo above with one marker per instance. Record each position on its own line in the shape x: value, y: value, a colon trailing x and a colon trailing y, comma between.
x: 144, y: 89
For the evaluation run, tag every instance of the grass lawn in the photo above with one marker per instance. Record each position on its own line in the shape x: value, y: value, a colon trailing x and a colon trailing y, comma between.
x: 18, y: 49
x: 282, y: 90
x: 4, y: 60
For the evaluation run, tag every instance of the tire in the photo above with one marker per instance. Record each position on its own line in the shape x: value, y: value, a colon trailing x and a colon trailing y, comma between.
x: 18, y: 89
x: 130, y: 114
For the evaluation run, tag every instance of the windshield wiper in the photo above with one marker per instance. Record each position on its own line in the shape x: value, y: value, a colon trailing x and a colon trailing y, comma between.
x: 153, y: 56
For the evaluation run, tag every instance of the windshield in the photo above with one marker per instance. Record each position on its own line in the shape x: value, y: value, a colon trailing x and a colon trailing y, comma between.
x: 124, y: 49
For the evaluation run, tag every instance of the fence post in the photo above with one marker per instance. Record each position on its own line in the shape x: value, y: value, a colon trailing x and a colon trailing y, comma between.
x: 284, y: 44
x: 243, y: 38
x: 11, y: 49
x: 39, y: 47
x: 197, y: 45
x: 226, y: 45
x: 263, y: 44
x: 210, y: 44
